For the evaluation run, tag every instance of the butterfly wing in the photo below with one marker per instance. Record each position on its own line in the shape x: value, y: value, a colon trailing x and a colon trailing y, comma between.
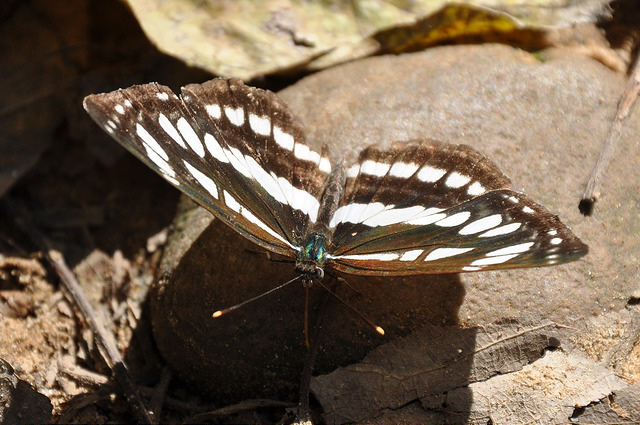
x: 235, y: 150
x: 434, y: 208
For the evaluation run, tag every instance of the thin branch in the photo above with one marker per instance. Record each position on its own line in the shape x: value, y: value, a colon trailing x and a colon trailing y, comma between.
x: 632, y: 90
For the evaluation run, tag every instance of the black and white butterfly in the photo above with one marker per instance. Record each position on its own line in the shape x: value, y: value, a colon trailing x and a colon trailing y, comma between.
x: 419, y: 207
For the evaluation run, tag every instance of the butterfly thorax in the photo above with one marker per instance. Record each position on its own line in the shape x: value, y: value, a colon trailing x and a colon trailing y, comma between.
x: 312, y: 258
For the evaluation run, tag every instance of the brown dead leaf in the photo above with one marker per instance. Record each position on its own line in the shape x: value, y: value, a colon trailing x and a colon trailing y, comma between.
x: 426, y: 364
x: 545, y: 392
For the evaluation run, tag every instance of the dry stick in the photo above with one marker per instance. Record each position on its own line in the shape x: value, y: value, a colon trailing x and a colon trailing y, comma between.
x: 631, y: 91
x: 236, y: 408
x: 106, y: 347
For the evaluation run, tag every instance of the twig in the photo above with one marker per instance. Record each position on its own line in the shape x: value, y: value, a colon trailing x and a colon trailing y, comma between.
x: 631, y: 91
x: 67, y: 366
x: 236, y: 408
x: 106, y: 346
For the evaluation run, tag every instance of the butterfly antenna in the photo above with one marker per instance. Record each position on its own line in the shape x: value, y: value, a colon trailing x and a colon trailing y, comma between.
x: 343, y: 280
x: 353, y: 309
x: 233, y: 307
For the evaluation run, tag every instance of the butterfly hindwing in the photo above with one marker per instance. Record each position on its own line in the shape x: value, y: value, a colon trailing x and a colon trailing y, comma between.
x: 450, y: 210
x: 413, y: 178
x: 234, y: 149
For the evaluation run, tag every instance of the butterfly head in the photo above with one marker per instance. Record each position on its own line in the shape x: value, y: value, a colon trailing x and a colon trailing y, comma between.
x: 312, y: 258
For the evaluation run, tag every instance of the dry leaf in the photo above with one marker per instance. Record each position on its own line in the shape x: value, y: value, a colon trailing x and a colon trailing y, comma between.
x: 253, y: 38
x: 425, y: 365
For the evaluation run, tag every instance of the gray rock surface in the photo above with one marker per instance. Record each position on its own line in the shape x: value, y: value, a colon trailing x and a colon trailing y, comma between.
x: 541, y: 122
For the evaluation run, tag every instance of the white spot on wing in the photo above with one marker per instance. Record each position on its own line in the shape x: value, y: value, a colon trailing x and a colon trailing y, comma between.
x: 493, y: 260
x: 235, y: 206
x: 555, y: 241
x: 502, y: 230
x: 552, y: 232
x: 429, y: 216
x: 411, y: 255
x: 162, y: 96
x: 119, y: 109
x: 155, y: 154
x: 214, y: 111
x: 266, y: 180
x: 513, y: 249
x: 170, y: 179
x: 214, y: 148
x: 454, y: 220
x: 231, y: 202
x: 403, y: 169
x: 190, y: 136
x: 481, y: 225
x: 355, y: 213
x: 255, y: 220
x: 283, y: 191
x: 205, y: 181
x: 284, y: 140
x: 475, y: 189
x: 456, y: 180
x: 439, y: 253
x: 430, y: 175
x: 237, y: 161
x: 382, y: 256
x: 471, y: 269
x: 304, y: 153
x: 393, y: 216
x: 150, y: 142
x: 353, y: 171
x: 300, y: 199
x: 373, y: 168
x: 261, y: 125
x: 235, y: 116
x: 527, y: 210
x: 170, y: 129
x: 325, y: 165
x: 378, y: 214
x: 163, y: 165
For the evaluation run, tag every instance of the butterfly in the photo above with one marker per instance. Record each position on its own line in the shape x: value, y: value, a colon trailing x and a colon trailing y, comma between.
x: 419, y: 207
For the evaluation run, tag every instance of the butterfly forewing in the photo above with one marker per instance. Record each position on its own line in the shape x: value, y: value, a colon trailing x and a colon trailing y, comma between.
x: 235, y: 150
x: 287, y: 176
x: 450, y: 210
